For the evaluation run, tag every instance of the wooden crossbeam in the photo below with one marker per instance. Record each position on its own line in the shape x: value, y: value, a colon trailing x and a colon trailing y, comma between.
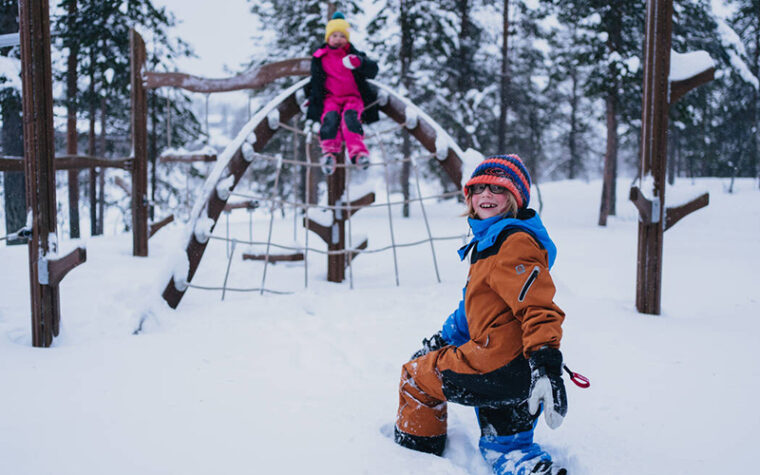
x: 154, y: 227
x: 58, y: 268
x: 69, y: 162
x: 676, y: 213
x: 250, y: 205
x: 273, y: 258
x: 358, y: 204
x: 192, y: 158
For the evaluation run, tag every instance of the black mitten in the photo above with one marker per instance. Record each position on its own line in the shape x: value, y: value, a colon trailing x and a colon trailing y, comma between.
x: 546, y: 385
x: 435, y: 342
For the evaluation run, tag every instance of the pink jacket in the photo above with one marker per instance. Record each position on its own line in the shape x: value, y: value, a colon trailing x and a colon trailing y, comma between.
x: 339, y: 80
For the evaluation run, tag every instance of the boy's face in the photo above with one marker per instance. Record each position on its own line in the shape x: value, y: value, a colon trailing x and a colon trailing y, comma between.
x: 337, y: 40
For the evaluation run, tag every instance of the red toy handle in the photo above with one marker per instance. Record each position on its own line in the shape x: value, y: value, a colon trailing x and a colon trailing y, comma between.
x: 577, y: 378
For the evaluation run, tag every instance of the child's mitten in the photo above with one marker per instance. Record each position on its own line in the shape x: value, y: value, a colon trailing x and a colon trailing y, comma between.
x: 546, y: 385
x: 352, y: 61
x: 435, y: 342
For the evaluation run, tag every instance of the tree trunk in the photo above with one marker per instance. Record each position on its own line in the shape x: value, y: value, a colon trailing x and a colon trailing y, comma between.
x: 153, y: 103
x: 12, y: 140
x: 102, y: 174
x: 504, y: 81
x: 610, y: 159
x: 756, y: 96
x: 71, y: 127
x: 91, y: 152
x: 405, y: 56
x: 13, y: 182
x: 463, y: 66
x: 573, y: 166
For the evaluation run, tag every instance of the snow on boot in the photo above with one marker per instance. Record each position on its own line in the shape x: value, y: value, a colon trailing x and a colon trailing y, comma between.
x: 327, y: 163
x: 361, y: 161
x: 517, y: 454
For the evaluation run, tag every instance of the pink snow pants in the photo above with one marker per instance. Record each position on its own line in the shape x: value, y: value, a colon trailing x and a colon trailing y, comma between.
x: 341, y: 122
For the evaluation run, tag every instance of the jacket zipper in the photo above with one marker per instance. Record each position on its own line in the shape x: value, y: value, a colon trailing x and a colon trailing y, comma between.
x: 526, y: 286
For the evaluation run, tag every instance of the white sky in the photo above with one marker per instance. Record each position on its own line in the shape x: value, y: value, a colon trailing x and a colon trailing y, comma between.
x: 218, y: 31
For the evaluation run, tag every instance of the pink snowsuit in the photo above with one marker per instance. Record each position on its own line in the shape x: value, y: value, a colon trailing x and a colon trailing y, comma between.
x: 343, y: 106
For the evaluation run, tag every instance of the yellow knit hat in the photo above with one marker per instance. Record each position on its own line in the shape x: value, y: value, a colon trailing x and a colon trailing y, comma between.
x: 338, y: 23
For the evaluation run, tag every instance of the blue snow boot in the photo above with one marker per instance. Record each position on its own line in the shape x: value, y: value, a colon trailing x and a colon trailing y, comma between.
x: 517, y: 455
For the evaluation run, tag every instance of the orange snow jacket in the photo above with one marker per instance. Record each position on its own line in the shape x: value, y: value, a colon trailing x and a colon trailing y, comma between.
x: 508, y: 308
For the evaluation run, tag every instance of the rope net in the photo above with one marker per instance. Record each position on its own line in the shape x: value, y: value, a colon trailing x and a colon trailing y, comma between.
x: 274, y: 245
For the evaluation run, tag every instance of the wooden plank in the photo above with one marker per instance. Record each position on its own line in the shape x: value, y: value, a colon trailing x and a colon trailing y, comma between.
x: 298, y: 256
x: 249, y: 205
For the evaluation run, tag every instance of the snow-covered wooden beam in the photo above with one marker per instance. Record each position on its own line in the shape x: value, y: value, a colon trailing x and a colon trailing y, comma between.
x: 255, y: 78
x: 688, y: 71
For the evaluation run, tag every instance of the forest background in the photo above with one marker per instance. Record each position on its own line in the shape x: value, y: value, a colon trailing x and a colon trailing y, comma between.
x: 558, y: 82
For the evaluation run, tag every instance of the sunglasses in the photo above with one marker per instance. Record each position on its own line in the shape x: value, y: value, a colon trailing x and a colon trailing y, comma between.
x: 481, y: 187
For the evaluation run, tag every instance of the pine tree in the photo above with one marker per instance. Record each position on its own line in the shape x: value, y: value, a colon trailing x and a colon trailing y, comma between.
x: 99, y: 32
x: 615, y: 30
x: 746, y: 23
x: 12, y: 130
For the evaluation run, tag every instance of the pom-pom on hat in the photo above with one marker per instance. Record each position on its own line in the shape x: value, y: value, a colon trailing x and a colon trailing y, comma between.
x: 338, y: 23
x: 503, y: 170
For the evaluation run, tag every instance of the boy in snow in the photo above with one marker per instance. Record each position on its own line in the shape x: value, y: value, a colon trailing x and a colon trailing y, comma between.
x: 499, y: 350
x: 339, y: 93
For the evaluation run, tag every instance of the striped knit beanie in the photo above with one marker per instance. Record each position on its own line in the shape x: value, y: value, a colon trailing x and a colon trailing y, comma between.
x: 503, y: 170
x: 338, y: 23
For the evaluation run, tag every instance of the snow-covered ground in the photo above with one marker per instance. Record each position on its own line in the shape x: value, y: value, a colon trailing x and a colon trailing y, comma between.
x: 304, y: 382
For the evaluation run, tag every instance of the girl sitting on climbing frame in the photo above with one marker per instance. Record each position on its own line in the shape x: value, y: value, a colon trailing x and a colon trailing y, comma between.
x: 339, y: 94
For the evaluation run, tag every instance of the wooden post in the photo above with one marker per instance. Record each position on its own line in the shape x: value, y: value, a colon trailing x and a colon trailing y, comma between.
x: 336, y: 186
x: 659, y: 93
x: 39, y: 148
x: 139, y: 148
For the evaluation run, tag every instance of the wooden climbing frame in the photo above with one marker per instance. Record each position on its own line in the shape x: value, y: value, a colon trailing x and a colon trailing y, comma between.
x: 234, y: 161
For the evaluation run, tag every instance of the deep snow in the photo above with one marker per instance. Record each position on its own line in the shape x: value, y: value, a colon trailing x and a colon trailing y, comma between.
x: 304, y: 382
